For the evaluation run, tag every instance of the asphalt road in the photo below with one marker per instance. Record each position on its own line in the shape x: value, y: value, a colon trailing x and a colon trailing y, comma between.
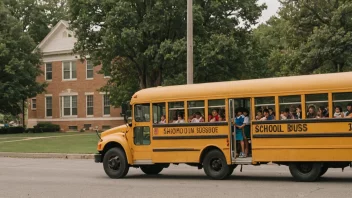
x: 83, y: 178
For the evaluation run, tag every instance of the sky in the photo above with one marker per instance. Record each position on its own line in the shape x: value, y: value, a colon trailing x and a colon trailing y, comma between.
x: 272, y: 8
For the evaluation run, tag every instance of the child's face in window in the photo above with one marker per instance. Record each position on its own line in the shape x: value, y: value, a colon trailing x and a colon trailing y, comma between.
x: 215, y: 113
x: 245, y: 113
x: 337, y: 110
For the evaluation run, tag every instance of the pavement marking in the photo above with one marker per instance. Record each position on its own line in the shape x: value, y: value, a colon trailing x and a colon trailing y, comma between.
x: 36, y: 138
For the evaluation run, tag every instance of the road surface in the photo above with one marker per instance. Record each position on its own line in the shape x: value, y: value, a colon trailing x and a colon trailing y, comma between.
x: 51, y: 178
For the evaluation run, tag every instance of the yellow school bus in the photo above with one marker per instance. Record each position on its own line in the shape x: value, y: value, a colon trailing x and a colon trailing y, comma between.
x: 307, y: 126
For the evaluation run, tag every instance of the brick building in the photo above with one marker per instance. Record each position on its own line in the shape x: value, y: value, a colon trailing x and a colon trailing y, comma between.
x: 72, y: 98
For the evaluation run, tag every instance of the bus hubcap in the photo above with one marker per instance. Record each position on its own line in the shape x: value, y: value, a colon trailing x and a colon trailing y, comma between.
x: 305, y: 168
x: 216, y: 164
x: 114, y: 163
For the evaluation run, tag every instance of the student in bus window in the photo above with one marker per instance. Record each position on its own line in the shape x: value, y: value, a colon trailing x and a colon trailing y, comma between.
x: 239, y: 131
x: 271, y: 113
x: 210, y: 117
x: 259, y: 115
x: 286, y: 115
x: 162, y: 119
x: 266, y: 115
x: 338, y: 112
x: 179, y: 118
x: 311, y: 112
x: 215, y: 116
x: 198, y: 118
x: 322, y: 112
x: 349, y: 111
x: 298, y: 114
x: 191, y: 117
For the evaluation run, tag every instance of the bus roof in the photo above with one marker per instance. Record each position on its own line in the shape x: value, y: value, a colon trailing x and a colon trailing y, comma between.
x: 293, y: 85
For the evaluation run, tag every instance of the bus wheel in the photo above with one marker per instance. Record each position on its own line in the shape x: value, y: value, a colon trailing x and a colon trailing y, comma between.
x: 115, y: 163
x: 215, y: 165
x: 305, y: 172
x: 231, y: 169
x: 324, y: 169
x: 151, y: 169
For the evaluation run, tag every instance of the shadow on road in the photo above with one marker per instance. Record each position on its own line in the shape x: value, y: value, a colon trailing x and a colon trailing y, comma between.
x: 325, y: 179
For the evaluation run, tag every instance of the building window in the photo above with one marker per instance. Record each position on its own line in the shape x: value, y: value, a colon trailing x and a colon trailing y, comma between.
x: 106, y: 105
x: 90, y: 110
x: 69, y: 105
x: 105, y: 127
x: 48, y: 71
x: 69, y: 70
x: 49, y: 106
x: 73, y: 128
x: 87, y: 126
x: 34, y: 104
x: 90, y: 72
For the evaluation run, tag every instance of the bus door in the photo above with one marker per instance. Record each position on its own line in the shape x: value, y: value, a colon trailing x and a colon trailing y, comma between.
x: 232, y: 128
x: 141, y: 146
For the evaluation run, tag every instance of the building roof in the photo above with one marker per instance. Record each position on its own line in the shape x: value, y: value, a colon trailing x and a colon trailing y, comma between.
x: 318, y: 83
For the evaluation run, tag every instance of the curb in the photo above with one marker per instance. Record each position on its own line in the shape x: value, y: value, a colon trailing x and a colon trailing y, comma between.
x: 46, y: 155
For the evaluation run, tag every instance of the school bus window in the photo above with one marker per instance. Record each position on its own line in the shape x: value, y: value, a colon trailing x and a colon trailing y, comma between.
x: 317, y: 106
x: 216, y: 109
x: 342, y: 104
x: 195, y: 111
x: 141, y: 135
x: 290, y: 107
x: 142, y: 112
x: 159, y: 113
x: 176, y: 112
x: 265, y: 108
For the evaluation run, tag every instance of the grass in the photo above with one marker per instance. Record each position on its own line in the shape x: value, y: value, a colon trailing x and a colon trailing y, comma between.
x: 64, y: 143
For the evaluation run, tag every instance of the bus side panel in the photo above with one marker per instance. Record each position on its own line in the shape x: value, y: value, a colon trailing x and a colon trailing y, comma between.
x: 185, y: 144
x: 328, y: 141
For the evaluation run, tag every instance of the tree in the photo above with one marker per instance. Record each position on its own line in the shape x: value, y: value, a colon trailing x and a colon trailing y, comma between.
x: 19, y: 67
x: 143, y: 43
x: 38, y: 16
x: 310, y: 37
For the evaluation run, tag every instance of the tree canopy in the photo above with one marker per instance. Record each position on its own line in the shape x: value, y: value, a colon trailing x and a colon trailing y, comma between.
x: 143, y: 43
x: 19, y: 65
x: 309, y: 37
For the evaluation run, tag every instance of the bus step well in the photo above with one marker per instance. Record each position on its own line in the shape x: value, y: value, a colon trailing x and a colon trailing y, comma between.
x: 243, y: 161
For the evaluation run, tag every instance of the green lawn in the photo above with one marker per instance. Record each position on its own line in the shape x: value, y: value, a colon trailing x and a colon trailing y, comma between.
x: 64, y: 143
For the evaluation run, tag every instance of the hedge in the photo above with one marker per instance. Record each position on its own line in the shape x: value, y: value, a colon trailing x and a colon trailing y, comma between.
x: 45, y: 127
x: 11, y: 130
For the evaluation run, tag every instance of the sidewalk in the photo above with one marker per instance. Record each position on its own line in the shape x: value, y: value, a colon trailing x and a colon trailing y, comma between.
x: 46, y: 155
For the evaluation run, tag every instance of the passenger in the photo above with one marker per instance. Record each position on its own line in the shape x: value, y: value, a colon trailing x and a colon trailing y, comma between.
x: 266, y: 115
x: 191, y: 117
x: 298, y: 114
x: 239, y: 131
x: 247, y: 131
x: 180, y: 119
x: 322, y: 112
x: 210, y: 117
x: 174, y: 120
x: 286, y: 115
x: 259, y: 115
x: 311, y: 112
x: 349, y: 111
x: 162, y: 119
x: 271, y: 113
x: 222, y: 117
x: 215, y: 116
x: 198, y: 118
x: 338, y: 112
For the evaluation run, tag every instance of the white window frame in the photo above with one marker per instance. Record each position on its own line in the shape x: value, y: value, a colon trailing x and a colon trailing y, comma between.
x: 51, y: 71
x: 33, y: 103
x: 63, y: 72
x: 46, y: 96
x: 87, y: 71
x: 87, y: 105
x: 103, y: 103
x: 63, y: 106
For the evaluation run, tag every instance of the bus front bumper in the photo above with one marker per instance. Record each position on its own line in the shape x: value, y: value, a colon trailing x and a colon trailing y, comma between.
x: 98, y: 158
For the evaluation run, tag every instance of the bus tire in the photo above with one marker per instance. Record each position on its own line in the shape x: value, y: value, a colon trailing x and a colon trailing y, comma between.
x: 324, y: 169
x: 305, y: 172
x: 115, y: 163
x: 152, y: 169
x: 231, y: 169
x: 215, y: 165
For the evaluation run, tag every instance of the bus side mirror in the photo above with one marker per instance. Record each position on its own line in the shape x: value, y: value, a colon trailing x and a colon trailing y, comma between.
x: 127, y: 116
x: 123, y: 109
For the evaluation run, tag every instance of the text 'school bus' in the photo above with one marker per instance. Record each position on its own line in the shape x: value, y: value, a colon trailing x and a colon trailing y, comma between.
x: 303, y: 122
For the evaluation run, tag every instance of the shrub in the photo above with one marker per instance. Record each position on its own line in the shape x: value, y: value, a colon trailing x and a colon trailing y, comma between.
x: 46, y: 127
x: 11, y: 130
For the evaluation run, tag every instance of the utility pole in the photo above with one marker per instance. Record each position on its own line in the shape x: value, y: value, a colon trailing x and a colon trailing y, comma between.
x: 189, y: 42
